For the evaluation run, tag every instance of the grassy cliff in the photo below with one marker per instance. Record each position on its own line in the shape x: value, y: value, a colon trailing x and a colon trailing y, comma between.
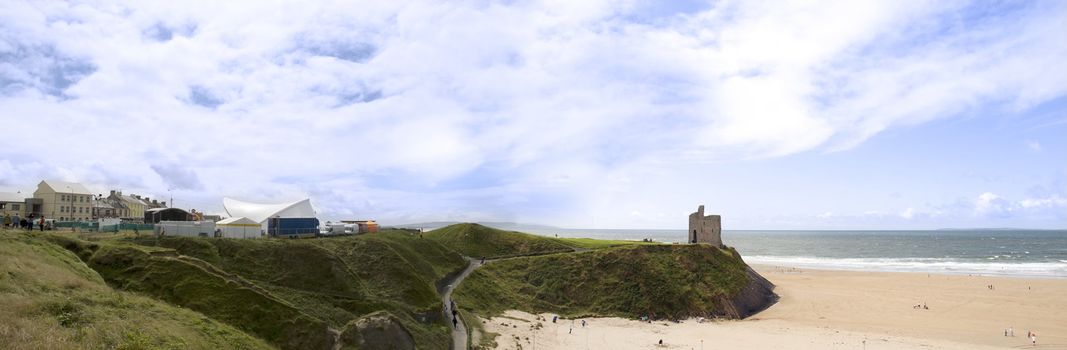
x: 364, y: 292
x: 50, y: 299
x: 475, y: 240
x: 385, y: 280
x: 660, y: 281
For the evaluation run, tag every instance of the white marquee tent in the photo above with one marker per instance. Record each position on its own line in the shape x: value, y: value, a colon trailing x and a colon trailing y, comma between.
x: 239, y: 227
x: 259, y: 213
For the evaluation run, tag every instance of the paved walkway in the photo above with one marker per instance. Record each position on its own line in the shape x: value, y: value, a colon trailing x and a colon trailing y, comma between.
x: 459, y: 333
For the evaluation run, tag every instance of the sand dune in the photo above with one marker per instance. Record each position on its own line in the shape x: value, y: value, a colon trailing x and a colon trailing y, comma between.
x: 835, y: 310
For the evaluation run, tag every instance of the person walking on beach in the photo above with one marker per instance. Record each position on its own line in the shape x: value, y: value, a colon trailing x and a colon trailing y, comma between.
x: 1033, y: 338
x: 455, y: 322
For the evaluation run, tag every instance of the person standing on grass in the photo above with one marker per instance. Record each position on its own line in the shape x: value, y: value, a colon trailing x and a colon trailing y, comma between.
x: 41, y: 223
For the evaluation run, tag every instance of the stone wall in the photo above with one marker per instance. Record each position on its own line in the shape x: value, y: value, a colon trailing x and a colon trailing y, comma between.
x: 705, y: 229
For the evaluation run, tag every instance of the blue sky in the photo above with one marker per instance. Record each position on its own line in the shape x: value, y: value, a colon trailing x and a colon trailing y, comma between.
x: 598, y: 114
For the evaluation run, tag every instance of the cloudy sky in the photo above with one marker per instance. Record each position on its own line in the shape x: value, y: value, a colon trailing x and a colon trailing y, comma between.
x: 608, y: 114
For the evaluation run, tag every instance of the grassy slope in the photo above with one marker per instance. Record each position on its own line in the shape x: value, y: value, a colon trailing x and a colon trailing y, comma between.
x: 475, y: 240
x: 340, y: 280
x: 49, y: 299
x: 590, y: 243
x: 664, y: 281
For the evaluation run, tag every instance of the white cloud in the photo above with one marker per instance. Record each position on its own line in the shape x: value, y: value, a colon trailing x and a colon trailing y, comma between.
x: 907, y: 214
x: 480, y: 107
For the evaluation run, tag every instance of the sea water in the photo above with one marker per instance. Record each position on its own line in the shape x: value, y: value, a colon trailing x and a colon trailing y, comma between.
x: 1023, y: 253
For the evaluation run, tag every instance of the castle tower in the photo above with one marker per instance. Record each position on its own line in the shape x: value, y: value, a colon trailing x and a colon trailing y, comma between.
x: 705, y: 229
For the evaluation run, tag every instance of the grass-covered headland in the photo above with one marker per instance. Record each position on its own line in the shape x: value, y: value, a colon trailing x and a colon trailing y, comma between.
x: 658, y: 281
x: 62, y: 290
x: 364, y: 292
x: 475, y: 240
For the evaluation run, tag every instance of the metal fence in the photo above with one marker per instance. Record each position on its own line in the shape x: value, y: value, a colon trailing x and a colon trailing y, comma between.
x: 96, y: 227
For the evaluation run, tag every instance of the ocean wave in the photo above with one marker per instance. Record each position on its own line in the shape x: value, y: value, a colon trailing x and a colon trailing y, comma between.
x: 929, y: 265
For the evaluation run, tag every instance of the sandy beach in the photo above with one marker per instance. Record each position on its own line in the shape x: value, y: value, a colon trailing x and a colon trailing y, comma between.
x: 823, y: 309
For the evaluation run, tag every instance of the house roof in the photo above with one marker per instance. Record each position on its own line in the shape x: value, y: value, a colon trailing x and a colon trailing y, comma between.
x: 12, y: 197
x: 66, y: 187
x: 131, y: 199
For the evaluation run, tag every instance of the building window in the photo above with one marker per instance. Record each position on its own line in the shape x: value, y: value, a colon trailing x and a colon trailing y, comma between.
x: 14, y: 207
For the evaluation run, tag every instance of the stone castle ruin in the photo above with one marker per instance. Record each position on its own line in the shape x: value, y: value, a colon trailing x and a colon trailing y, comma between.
x: 705, y: 229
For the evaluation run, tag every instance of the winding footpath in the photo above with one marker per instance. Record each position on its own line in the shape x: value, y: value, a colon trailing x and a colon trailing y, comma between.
x: 459, y: 333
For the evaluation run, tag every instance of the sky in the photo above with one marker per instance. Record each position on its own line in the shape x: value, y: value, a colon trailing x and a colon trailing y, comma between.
x: 585, y: 114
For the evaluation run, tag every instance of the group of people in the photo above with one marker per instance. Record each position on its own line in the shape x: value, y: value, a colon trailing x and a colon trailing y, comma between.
x: 455, y: 314
x: 921, y: 306
x: 990, y: 287
x: 23, y: 223
x: 1010, y: 332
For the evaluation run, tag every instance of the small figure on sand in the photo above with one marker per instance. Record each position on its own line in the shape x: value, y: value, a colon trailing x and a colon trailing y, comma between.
x: 554, y: 317
x: 455, y: 322
x: 583, y: 323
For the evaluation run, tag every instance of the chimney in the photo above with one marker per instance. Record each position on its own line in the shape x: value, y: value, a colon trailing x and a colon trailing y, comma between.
x: 112, y: 192
x: 164, y: 203
x: 155, y: 201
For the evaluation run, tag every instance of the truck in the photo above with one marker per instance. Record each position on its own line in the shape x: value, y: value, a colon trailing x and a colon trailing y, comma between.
x: 292, y: 227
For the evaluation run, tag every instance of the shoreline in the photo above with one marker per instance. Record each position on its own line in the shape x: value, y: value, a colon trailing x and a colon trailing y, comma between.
x: 762, y: 264
x: 824, y: 309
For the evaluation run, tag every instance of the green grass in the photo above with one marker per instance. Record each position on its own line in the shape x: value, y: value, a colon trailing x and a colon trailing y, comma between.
x: 338, y: 280
x: 50, y: 299
x: 589, y: 243
x: 475, y: 240
x: 662, y: 281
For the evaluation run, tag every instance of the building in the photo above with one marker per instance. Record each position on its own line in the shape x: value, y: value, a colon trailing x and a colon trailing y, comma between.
x: 705, y: 229
x: 65, y: 201
x: 133, y: 204
x: 240, y: 227
x: 155, y: 215
x: 107, y: 207
x: 260, y: 213
x: 12, y: 204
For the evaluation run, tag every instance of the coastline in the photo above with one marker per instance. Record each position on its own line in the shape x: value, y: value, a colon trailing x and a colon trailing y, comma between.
x: 823, y: 309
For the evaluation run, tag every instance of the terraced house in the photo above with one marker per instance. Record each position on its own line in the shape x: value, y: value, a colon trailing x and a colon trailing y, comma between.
x: 134, y: 205
x: 65, y: 201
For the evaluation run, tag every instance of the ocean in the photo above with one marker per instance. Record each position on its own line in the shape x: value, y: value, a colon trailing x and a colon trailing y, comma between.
x: 1021, y: 253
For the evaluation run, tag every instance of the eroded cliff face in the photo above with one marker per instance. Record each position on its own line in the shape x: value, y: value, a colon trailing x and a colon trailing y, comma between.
x: 756, y: 296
